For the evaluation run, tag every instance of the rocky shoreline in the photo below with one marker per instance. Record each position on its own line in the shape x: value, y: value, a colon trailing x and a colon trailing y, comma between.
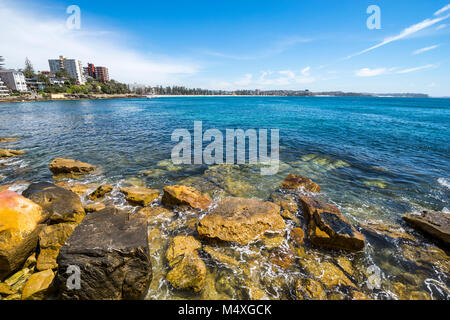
x: 294, y: 245
x: 70, y: 97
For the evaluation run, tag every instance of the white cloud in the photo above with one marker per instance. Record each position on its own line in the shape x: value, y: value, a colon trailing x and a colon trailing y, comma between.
x: 444, y: 9
x: 367, y: 72
x: 29, y: 35
x: 442, y: 26
x: 405, y: 33
x: 419, y: 51
x: 428, y: 66
x: 305, y: 71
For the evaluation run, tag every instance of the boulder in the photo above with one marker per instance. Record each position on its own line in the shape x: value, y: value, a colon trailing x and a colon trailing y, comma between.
x: 112, y: 254
x: 20, y: 223
x: 79, y: 189
x: 328, y: 228
x: 101, y: 192
x: 295, y: 182
x: 94, y: 207
x: 435, y: 224
x: 140, y: 196
x: 51, y: 239
x: 188, y: 269
x: 10, y: 153
x: 241, y: 220
x: 289, y: 207
x: 38, y: 286
x: 156, y: 214
x: 70, y: 168
x: 185, y: 196
x: 61, y: 204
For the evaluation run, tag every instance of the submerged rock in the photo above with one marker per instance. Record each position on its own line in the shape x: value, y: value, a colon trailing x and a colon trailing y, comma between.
x: 100, y: 192
x: 222, y: 258
x: 70, y: 168
x: 328, y: 274
x: 61, y: 204
x: 112, y: 253
x: 156, y: 214
x: 140, y: 196
x: 435, y: 224
x: 297, y: 235
x: 289, y: 207
x: 185, y: 196
x: 241, y: 220
x: 38, y: 286
x: 328, y: 227
x: 20, y: 223
x: 10, y: 153
x: 7, y: 140
x: 381, y: 229
x: 188, y: 269
x: 309, y: 289
x: 295, y: 182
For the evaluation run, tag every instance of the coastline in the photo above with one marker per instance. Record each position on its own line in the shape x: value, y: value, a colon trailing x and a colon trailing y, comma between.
x: 71, y: 98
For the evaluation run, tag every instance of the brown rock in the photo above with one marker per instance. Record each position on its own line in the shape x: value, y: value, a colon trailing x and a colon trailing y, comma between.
x: 435, y: 224
x: 382, y: 229
x: 289, y: 207
x: 10, y: 153
x: 7, y: 140
x: 101, y: 192
x: 327, y: 273
x: 20, y: 224
x: 224, y: 259
x: 79, y: 189
x: 70, y: 168
x: 295, y: 182
x: 297, y: 236
x: 282, y: 258
x: 309, y: 289
x: 38, y: 286
x: 329, y: 228
x: 241, y: 220
x: 156, y: 214
x: 185, y: 196
x: 61, y: 204
x: 140, y: 196
x: 94, y: 207
x: 6, y: 290
x: 181, y: 246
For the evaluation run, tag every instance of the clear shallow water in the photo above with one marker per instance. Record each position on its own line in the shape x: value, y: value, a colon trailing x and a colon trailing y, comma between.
x: 376, y: 158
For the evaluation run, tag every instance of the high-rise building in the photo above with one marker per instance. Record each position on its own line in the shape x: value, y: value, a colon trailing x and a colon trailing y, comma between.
x: 102, y: 74
x: 91, y: 70
x: 72, y: 67
x: 14, y: 80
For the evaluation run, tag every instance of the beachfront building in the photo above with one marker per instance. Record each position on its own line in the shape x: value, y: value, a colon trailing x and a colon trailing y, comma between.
x: 14, y: 80
x: 3, y: 89
x: 73, y: 67
x: 102, y: 74
x: 35, y: 85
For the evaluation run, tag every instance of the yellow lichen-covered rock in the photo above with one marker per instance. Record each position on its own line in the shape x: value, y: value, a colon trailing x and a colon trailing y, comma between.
x: 94, y: 207
x: 38, y: 286
x: 241, y: 220
x: 185, y: 196
x: 326, y: 273
x: 70, y: 168
x: 156, y: 214
x: 51, y: 239
x: 309, y: 289
x: 297, y: 236
x: 10, y: 153
x: 18, y: 279
x: 222, y: 258
x: 289, y: 207
x: 8, y: 139
x: 101, y: 191
x: 189, y: 273
x: 20, y: 224
x: 6, y: 290
x: 295, y: 182
x: 181, y: 246
x: 140, y: 196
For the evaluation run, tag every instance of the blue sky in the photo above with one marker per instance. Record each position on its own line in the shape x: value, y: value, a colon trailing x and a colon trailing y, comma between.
x: 316, y: 45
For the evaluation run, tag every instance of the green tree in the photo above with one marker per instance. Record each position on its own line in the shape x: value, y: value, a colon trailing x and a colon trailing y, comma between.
x: 29, y: 70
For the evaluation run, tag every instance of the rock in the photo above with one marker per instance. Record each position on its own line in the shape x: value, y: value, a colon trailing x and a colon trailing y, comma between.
x: 39, y: 285
x: 289, y: 207
x: 295, y: 182
x: 327, y: 273
x: 18, y: 280
x: 297, y: 235
x: 140, y: 196
x: 70, y: 168
x: 309, y: 289
x: 112, y: 253
x: 20, y: 224
x: 189, y: 273
x: 329, y: 228
x: 6, y: 290
x: 94, y: 207
x: 272, y: 241
x: 223, y: 259
x: 345, y: 265
x: 10, y: 153
x: 381, y: 229
x: 79, y: 189
x: 188, y: 269
x: 51, y: 239
x: 185, y: 196
x: 241, y: 220
x: 156, y: 214
x: 101, y: 192
x: 282, y: 258
x: 61, y: 204
x: 435, y: 224
x: 7, y: 140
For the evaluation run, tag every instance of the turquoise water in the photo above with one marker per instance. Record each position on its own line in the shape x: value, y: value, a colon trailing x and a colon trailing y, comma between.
x: 376, y: 158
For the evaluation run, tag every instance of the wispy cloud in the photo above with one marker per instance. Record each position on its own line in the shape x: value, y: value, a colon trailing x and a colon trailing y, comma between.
x: 442, y: 26
x: 405, y: 33
x: 444, y: 9
x: 419, y: 51
x: 367, y: 72
x: 428, y: 66
x: 49, y: 38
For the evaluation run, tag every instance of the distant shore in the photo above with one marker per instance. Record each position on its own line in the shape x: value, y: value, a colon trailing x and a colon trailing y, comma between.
x: 70, y: 97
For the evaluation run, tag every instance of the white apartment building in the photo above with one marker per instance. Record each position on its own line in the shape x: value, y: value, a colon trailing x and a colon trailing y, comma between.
x: 14, y: 80
x: 3, y: 89
x: 73, y: 67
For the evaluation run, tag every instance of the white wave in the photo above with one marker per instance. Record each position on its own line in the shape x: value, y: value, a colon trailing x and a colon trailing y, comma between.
x: 444, y: 182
